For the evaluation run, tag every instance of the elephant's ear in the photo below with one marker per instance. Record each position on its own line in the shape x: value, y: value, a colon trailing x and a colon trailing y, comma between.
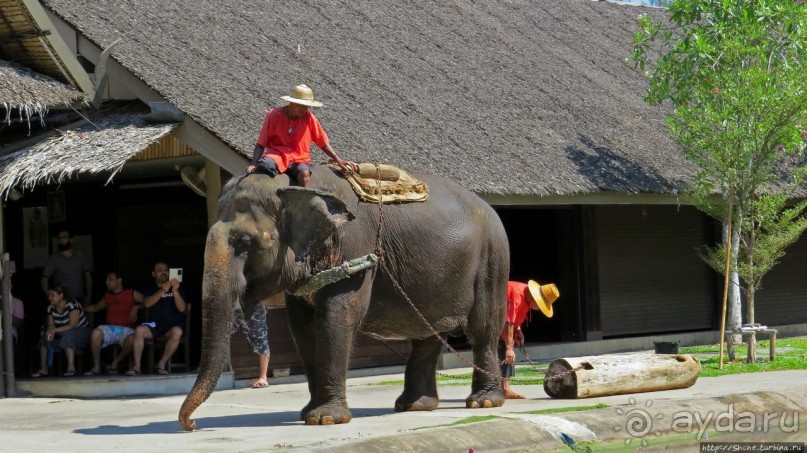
x: 309, y: 217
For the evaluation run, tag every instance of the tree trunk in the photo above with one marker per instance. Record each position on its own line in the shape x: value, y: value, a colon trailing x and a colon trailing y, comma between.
x: 749, y: 316
x: 749, y: 296
x: 586, y: 377
x: 734, y: 318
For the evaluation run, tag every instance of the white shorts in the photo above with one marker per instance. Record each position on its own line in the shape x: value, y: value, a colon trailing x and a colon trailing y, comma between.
x: 114, y: 334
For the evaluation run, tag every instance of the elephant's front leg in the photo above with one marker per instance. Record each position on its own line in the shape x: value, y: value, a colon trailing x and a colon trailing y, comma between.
x: 303, y: 329
x: 337, y: 320
x: 420, y: 382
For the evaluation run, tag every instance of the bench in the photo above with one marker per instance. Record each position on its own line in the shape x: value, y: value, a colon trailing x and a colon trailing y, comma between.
x: 749, y: 331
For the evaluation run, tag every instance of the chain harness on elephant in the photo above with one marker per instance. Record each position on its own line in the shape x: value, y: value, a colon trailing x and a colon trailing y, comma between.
x: 379, y: 252
x: 348, y: 268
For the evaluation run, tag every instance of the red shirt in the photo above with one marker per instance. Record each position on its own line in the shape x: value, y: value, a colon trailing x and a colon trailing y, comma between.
x: 518, y: 307
x: 288, y: 140
x: 118, y: 307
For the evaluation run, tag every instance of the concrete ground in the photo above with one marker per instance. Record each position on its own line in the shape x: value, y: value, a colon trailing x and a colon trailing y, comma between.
x: 245, y: 419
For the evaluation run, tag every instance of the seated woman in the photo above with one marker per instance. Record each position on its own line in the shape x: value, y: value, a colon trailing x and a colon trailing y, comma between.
x: 67, y: 330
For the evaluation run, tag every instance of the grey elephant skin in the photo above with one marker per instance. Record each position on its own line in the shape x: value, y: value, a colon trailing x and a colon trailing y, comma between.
x: 450, y: 256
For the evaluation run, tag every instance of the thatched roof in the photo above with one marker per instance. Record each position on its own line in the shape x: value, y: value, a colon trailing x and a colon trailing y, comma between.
x: 25, y: 93
x: 530, y: 97
x: 103, y: 143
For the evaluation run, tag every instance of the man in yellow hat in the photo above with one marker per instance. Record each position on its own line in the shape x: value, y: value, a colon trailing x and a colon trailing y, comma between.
x: 521, y: 297
x: 284, y: 144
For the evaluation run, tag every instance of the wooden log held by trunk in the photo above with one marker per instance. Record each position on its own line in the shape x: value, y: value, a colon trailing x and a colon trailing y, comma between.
x: 586, y: 377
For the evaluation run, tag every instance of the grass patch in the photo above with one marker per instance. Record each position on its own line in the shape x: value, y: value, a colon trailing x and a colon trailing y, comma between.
x: 464, y: 421
x: 568, y: 409
x: 791, y: 354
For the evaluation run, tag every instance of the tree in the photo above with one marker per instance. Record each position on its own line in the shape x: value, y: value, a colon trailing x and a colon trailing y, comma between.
x: 734, y: 72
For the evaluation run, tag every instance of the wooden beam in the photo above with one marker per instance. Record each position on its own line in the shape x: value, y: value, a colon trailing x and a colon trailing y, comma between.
x: 23, y: 36
x: 190, y: 132
x: 64, y: 57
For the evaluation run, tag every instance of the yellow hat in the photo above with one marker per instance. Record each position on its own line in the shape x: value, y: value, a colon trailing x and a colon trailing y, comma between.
x: 302, y: 94
x: 544, y: 296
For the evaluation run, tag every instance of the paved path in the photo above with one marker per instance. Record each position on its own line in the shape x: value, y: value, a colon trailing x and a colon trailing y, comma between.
x: 248, y: 419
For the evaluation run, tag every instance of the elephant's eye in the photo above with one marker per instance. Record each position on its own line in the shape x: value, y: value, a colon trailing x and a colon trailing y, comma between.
x: 241, y: 244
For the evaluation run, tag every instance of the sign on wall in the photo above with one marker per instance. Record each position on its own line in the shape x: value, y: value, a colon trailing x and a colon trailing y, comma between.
x: 35, y: 236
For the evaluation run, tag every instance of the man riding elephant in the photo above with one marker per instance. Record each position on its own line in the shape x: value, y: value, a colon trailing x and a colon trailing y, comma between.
x: 284, y: 144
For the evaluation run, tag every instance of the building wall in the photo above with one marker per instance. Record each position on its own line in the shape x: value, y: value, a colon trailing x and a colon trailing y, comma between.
x: 783, y: 296
x: 651, y: 280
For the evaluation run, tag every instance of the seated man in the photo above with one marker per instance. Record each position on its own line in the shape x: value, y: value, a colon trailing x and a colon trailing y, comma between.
x: 285, y: 139
x: 121, y: 306
x: 165, y: 300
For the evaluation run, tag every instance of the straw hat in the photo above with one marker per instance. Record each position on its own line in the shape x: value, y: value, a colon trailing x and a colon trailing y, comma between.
x: 304, y: 95
x: 544, y: 296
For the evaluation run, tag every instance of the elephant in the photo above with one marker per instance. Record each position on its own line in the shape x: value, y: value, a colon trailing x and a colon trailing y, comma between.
x: 449, y: 255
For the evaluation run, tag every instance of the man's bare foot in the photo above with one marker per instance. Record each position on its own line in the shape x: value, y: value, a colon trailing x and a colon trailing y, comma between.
x: 511, y: 395
x: 261, y: 383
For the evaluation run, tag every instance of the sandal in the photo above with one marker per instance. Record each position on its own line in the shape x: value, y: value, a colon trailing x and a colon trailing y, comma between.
x: 39, y: 374
x: 92, y: 373
x: 69, y: 373
x: 162, y: 371
x: 133, y: 373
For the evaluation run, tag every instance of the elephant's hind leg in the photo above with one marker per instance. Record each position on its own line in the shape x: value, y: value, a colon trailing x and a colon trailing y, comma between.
x: 420, y: 382
x: 486, y: 387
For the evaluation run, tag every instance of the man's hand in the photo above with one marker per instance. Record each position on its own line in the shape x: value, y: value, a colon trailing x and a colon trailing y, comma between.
x: 133, y: 314
x: 174, y: 284
x: 348, y: 166
x: 518, y: 337
x: 509, y: 356
x: 250, y: 169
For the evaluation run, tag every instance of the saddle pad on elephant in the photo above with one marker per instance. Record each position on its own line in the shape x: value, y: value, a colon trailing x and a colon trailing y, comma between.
x: 392, y: 184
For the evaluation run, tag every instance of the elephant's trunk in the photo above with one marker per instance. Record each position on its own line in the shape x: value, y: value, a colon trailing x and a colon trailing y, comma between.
x: 221, y: 287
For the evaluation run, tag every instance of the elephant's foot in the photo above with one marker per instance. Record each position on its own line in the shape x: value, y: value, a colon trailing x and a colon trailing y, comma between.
x: 327, y: 414
x: 424, y: 403
x: 485, y: 398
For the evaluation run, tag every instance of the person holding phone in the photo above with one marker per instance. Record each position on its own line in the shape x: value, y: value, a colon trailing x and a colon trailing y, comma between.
x: 165, y: 300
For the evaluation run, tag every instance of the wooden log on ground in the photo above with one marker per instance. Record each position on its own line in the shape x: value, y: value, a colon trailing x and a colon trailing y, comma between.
x: 586, y: 377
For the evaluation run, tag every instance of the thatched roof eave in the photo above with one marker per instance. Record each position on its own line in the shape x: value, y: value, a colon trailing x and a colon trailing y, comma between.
x: 26, y: 94
x: 103, y: 143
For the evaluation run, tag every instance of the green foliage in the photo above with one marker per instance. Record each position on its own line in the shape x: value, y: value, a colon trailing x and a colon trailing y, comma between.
x: 734, y: 73
x: 777, y: 228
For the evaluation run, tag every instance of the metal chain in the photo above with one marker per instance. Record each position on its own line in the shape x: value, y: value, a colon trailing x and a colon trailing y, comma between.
x: 383, y: 265
x: 564, y: 374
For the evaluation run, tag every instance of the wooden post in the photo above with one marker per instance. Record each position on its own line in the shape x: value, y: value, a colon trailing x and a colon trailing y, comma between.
x: 726, y: 285
x: 586, y: 377
x: 6, y: 269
